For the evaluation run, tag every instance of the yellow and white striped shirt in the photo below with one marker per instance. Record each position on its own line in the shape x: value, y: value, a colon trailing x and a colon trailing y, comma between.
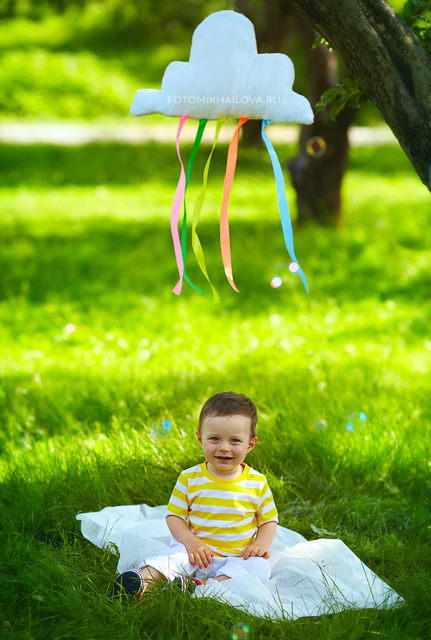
x: 224, y: 514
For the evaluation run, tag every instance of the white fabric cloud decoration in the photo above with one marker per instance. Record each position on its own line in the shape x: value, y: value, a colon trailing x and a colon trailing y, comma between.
x: 225, y: 77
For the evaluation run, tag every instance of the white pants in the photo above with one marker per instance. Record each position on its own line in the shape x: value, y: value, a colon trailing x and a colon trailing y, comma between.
x: 175, y: 561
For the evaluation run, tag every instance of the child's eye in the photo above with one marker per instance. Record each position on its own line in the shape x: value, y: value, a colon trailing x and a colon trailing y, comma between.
x: 215, y: 438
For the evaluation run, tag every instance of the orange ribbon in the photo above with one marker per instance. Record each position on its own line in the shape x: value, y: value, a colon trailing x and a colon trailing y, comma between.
x: 224, y: 221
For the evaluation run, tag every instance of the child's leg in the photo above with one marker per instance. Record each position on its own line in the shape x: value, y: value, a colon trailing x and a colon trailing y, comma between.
x: 222, y: 577
x: 151, y: 577
x: 219, y: 578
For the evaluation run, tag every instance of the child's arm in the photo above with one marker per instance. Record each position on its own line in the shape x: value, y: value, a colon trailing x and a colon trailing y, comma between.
x: 197, y: 550
x: 266, y: 533
x: 265, y: 536
x: 180, y: 530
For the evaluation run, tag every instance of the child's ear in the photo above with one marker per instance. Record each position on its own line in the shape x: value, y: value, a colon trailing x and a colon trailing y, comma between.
x: 253, y: 442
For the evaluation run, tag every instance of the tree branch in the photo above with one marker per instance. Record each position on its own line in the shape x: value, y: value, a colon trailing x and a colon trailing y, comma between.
x: 390, y: 63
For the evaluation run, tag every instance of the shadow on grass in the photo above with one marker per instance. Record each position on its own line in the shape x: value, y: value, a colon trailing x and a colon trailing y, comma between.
x: 384, y: 161
x: 118, y: 164
x: 115, y: 164
x: 126, y: 259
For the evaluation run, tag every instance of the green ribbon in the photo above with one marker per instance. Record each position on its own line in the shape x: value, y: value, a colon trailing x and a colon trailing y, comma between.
x: 202, y: 124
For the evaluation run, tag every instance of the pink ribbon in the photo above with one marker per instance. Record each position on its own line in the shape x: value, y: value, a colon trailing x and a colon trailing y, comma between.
x: 175, y: 213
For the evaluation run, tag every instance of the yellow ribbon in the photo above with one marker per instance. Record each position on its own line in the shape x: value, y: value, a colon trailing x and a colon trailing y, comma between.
x: 197, y: 247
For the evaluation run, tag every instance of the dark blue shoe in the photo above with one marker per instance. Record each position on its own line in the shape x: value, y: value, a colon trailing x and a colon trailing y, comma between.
x: 128, y: 585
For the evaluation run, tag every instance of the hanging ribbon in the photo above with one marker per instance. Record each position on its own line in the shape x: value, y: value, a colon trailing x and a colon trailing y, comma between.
x: 175, y: 213
x: 196, y: 144
x: 282, y: 202
x: 197, y: 247
x: 227, y: 186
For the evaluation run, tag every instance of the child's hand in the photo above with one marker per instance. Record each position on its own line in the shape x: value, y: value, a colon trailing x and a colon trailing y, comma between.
x: 199, y: 553
x: 255, y: 549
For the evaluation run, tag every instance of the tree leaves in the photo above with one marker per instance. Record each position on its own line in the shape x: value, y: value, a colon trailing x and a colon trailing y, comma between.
x: 319, y: 39
x: 410, y: 14
x: 348, y: 92
x: 411, y: 7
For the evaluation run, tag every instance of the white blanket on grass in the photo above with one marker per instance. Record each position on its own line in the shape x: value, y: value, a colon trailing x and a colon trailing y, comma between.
x: 307, y: 578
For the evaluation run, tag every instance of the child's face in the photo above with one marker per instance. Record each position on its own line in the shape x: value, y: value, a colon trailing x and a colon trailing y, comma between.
x: 226, y: 436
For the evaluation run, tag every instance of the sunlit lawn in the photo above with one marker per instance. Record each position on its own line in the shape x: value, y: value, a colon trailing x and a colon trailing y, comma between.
x: 95, y: 347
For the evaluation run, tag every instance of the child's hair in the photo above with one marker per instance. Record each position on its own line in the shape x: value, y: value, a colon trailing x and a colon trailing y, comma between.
x: 229, y: 403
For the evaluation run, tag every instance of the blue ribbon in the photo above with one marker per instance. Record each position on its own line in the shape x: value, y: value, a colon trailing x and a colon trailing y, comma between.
x: 282, y: 202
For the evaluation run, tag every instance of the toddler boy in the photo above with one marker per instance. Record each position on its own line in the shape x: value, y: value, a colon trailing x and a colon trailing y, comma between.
x: 221, y: 513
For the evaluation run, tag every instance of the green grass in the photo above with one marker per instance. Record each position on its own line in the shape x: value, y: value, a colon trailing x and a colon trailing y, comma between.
x: 85, y: 241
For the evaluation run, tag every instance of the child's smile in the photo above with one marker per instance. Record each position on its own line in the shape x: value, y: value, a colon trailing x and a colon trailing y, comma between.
x: 225, y: 442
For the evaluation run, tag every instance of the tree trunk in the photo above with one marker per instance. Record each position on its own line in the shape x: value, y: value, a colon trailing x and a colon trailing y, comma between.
x: 317, y: 180
x: 390, y: 63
